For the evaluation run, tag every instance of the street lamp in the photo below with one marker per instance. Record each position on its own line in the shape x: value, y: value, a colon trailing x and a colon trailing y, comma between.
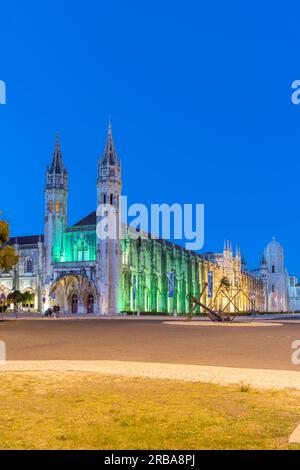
x: 3, y: 299
x: 253, y: 298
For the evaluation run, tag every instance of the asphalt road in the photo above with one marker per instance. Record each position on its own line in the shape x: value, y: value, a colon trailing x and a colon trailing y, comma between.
x: 151, y: 341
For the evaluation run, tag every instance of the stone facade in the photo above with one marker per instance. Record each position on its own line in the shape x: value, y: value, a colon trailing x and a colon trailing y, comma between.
x: 273, y: 272
x: 71, y: 267
x: 247, y: 291
x: 294, y: 294
x: 28, y: 274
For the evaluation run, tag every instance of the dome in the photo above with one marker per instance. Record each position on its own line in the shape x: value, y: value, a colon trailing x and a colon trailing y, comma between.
x: 274, y: 248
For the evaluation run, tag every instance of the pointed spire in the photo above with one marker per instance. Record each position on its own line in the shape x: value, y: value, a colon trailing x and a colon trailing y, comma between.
x: 263, y: 261
x: 110, y: 154
x: 57, y: 164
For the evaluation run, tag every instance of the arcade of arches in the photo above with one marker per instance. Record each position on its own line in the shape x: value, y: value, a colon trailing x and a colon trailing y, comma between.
x: 74, y: 294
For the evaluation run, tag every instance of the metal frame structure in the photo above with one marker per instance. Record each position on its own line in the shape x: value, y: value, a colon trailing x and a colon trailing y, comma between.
x: 218, y: 315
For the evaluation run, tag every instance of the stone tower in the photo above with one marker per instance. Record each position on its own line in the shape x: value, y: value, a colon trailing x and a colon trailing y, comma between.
x: 277, y: 277
x: 264, y: 278
x: 109, y: 260
x: 56, y: 196
x: 264, y: 268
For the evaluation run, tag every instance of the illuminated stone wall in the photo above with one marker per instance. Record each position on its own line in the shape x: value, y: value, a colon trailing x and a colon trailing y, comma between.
x: 78, y: 245
x: 147, y: 264
x: 146, y: 268
x: 246, y: 290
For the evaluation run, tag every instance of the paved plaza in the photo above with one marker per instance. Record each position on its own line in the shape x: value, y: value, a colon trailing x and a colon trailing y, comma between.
x: 265, y: 345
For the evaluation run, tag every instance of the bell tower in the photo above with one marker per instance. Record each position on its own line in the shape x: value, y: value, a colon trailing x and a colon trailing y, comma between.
x: 109, y: 260
x: 56, y: 197
x: 277, y: 277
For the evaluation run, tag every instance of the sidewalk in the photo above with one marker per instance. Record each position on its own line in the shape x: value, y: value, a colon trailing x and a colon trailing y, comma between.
x: 256, y: 378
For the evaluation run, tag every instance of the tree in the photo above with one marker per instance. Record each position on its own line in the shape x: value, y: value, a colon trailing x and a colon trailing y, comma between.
x: 225, y: 283
x: 28, y: 298
x: 8, y: 256
x: 3, y: 307
x: 16, y: 297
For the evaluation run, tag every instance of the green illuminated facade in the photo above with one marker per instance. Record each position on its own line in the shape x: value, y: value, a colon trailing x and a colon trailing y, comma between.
x: 78, y: 245
x: 146, y: 265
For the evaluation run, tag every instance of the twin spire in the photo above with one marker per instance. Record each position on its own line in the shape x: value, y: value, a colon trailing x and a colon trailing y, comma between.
x: 109, y: 156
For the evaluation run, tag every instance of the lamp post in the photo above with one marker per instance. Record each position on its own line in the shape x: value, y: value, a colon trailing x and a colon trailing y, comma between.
x: 253, y: 307
x: 43, y: 301
x: 3, y: 299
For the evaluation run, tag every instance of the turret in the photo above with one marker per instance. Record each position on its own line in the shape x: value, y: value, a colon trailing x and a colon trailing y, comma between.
x: 109, y: 259
x: 56, y: 196
x: 243, y: 263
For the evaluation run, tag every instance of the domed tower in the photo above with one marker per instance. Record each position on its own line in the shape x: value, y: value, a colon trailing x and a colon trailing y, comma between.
x: 276, y: 276
x: 274, y: 256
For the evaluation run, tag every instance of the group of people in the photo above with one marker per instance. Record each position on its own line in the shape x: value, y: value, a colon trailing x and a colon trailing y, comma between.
x: 52, y: 311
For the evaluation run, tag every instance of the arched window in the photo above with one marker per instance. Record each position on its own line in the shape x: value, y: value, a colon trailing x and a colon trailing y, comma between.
x: 111, y: 199
x: 273, y: 269
x: 50, y: 206
x: 28, y: 265
x: 104, y: 199
x: 83, y: 252
x: 57, y: 206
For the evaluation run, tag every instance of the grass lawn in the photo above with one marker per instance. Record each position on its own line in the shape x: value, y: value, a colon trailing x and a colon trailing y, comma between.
x: 92, y: 411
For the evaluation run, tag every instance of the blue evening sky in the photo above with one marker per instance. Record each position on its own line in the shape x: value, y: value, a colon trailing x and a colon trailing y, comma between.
x: 199, y: 94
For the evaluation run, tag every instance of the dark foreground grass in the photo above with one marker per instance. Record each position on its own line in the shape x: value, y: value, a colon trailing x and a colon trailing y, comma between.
x: 92, y: 411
